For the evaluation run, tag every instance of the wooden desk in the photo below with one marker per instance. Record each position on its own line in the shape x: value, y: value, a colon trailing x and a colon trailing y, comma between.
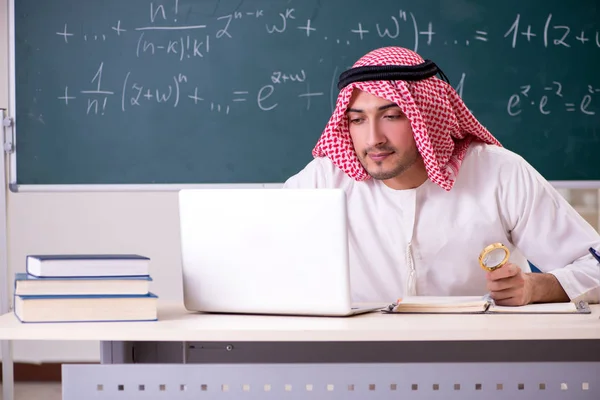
x: 177, y: 324
x: 341, y: 357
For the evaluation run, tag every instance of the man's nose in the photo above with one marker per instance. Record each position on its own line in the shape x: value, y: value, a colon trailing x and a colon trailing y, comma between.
x: 375, y: 136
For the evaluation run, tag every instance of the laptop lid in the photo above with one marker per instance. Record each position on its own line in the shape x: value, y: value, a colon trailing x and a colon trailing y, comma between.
x: 273, y: 251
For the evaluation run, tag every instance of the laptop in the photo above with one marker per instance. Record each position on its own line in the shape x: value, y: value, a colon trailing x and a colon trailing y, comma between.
x: 266, y: 251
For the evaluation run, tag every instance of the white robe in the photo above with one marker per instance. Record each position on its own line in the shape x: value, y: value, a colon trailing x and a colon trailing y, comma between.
x: 426, y: 241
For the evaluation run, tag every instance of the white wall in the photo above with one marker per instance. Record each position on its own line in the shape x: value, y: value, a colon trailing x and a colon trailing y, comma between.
x: 144, y: 223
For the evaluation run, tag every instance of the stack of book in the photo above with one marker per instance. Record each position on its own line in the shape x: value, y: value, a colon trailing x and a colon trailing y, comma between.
x: 85, y: 287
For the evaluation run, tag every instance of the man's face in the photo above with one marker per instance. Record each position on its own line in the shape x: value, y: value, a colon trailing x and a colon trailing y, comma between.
x: 382, y: 136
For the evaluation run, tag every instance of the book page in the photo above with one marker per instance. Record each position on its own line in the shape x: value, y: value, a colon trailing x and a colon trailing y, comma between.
x: 441, y: 304
x: 537, y: 308
x: 442, y: 301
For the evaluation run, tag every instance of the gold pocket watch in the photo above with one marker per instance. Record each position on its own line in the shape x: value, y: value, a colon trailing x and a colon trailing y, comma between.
x: 494, y: 256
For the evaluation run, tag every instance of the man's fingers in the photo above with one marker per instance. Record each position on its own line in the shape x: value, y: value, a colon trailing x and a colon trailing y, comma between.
x: 508, y: 286
x: 515, y: 282
x: 504, y: 294
x: 503, y: 272
x: 501, y: 284
x: 511, y: 301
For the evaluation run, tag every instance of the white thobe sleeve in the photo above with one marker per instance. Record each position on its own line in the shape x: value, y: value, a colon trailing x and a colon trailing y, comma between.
x: 312, y: 176
x: 548, y: 230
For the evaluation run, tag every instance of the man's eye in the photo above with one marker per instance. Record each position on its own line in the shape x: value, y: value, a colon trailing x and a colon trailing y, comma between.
x: 355, y: 120
x: 393, y: 116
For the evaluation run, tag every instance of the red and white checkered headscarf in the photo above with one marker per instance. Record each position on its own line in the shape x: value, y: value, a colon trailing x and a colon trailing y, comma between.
x: 442, y: 125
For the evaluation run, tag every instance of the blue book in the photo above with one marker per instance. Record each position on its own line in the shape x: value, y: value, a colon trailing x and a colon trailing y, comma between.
x: 26, y: 284
x: 86, y: 308
x: 88, y: 265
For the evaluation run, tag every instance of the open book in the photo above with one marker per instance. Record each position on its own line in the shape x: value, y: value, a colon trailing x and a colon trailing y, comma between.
x: 479, y: 305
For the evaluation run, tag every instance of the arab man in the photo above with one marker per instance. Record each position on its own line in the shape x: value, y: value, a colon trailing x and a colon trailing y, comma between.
x: 428, y: 187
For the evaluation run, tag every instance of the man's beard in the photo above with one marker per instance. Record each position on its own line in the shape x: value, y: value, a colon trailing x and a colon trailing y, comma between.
x: 399, y: 167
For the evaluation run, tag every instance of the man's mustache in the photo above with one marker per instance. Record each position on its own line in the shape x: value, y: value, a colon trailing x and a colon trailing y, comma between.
x: 379, y: 149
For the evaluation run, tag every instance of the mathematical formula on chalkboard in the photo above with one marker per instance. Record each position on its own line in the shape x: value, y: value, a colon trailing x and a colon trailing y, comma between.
x: 239, y: 91
x: 196, y: 39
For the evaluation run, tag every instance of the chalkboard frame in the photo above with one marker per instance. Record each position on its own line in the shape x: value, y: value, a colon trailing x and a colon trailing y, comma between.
x: 11, y: 151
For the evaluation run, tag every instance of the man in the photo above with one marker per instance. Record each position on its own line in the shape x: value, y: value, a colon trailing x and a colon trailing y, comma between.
x: 428, y: 187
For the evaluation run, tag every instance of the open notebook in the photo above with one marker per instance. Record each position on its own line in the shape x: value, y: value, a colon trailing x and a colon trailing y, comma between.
x: 479, y: 305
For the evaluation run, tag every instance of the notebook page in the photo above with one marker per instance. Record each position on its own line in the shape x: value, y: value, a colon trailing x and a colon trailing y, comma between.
x: 441, y: 301
x: 441, y: 304
x: 537, y: 308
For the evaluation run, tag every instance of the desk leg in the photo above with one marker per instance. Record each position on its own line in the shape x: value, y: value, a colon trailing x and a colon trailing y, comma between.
x: 5, y: 281
x: 8, y: 379
x: 112, y: 352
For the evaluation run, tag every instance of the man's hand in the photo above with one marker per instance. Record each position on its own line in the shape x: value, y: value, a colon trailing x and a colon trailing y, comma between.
x: 510, y: 286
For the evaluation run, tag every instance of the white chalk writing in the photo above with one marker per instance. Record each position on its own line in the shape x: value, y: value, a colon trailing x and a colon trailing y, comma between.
x: 551, y: 99
x: 175, y: 31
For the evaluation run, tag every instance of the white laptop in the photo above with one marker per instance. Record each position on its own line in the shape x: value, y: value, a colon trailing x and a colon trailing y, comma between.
x: 266, y: 251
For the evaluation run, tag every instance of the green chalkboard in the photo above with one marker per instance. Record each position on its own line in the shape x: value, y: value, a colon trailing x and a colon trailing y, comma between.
x: 232, y: 91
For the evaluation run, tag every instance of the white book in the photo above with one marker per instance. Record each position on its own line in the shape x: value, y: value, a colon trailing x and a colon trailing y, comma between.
x: 28, y: 285
x: 88, y: 308
x: 89, y: 265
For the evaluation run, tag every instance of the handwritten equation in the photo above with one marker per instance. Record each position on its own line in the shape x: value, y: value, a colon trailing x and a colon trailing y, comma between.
x: 552, y: 32
x: 134, y: 93
x: 552, y: 100
x: 196, y: 41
